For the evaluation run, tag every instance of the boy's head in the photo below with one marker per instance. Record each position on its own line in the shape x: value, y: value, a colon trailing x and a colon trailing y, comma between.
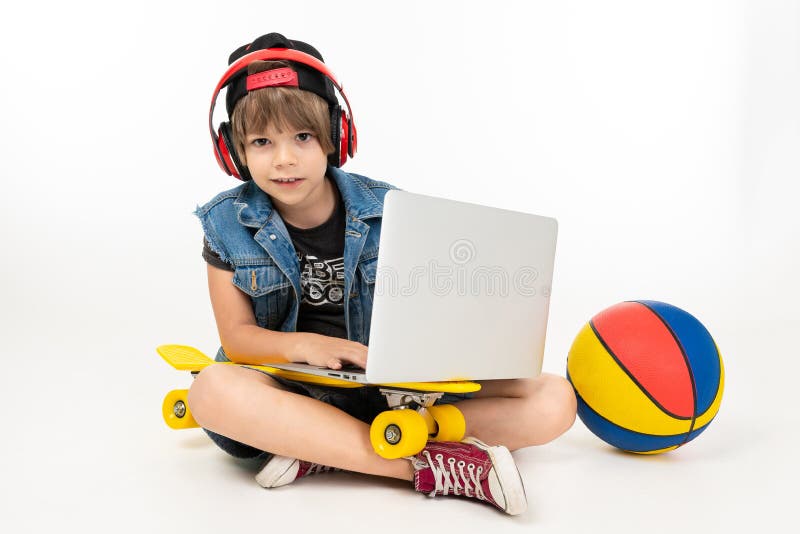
x: 278, y: 83
x: 281, y: 108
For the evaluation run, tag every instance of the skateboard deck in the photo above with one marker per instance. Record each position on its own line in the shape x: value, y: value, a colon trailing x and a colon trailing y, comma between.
x: 395, y: 433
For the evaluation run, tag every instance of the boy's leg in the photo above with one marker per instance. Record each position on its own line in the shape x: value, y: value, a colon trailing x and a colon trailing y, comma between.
x: 254, y: 409
x: 522, y: 412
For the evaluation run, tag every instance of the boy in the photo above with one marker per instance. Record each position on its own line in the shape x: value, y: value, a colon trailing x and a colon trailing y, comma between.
x: 289, y: 255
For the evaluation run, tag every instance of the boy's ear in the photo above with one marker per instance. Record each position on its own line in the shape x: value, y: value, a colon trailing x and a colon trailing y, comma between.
x: 227, y: 149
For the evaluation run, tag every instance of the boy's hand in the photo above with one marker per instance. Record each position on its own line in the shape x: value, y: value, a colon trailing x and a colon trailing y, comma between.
x: 326, y: 351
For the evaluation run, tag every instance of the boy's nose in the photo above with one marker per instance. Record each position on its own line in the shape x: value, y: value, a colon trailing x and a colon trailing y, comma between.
x: 284, y: 155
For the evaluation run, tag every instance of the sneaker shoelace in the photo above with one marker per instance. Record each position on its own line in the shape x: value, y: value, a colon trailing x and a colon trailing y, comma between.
x: 451, y: 477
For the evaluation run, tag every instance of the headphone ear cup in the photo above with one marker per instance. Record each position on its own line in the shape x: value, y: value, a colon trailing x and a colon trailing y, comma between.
x: 227, y: 150
x: 352, y: 143
x: 335, y: 158
x: 344, y: 145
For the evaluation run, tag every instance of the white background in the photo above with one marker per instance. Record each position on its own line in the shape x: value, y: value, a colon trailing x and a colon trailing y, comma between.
x: 664, y: 137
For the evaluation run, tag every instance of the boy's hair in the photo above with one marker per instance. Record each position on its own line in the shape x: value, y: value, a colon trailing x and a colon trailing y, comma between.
x: 280, y: 107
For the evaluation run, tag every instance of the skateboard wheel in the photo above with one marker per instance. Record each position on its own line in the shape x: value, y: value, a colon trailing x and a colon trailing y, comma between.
x: 175, y: 410
x: 398, y: 433
x: 452, y: 425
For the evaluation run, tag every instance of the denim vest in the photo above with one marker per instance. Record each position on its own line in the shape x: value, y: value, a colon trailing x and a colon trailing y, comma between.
x: 246, y: 231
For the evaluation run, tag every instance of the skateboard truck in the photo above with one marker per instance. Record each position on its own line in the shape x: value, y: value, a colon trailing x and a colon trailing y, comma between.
x: 403, y: 431
x: 399, y: 399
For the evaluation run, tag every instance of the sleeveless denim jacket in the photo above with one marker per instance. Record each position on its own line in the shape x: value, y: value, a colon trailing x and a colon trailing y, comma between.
x: 246, y: 231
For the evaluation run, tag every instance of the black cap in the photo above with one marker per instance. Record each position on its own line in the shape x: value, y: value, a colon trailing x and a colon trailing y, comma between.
x: 309, y: 79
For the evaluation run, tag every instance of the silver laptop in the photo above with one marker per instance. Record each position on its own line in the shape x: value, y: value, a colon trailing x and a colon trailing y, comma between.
x: 462, y: 292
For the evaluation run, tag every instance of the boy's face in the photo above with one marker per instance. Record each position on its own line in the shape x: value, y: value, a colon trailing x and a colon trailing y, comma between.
x: 289, y: 166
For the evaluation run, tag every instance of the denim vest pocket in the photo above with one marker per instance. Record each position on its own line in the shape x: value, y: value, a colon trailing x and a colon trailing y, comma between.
x: 269, y: 291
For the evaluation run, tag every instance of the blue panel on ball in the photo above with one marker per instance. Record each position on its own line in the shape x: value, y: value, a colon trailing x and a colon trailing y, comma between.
x: 620, y: 437
x: 698, y: 345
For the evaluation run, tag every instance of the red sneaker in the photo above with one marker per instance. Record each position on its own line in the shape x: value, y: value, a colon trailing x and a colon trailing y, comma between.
x: 470, y: 469
x: 282, y: 470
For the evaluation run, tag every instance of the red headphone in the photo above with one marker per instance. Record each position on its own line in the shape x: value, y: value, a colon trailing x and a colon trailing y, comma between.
x: 343, y: 128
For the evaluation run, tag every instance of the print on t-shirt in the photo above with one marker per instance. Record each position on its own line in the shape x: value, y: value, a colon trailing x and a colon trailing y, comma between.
x: 322, y: 280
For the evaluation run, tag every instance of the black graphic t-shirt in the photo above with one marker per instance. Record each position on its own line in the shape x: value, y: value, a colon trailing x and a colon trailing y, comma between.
x: 320, y: 251
x: 321, y: 254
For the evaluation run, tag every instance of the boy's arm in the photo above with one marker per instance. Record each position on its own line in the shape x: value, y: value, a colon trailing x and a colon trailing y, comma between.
x: 246, y: 342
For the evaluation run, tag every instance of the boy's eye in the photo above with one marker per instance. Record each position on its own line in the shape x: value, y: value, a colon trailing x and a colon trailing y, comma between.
x: 304, y: 136
x: 261, y: 141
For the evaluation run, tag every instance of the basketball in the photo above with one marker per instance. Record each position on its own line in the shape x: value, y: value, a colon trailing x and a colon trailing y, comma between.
x: 647, y: 375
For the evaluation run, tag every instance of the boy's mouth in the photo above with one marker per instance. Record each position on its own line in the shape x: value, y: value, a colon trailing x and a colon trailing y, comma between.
x: 286, y: 181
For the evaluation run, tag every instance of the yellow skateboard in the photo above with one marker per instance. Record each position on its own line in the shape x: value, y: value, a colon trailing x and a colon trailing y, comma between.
x: 399, y: 432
